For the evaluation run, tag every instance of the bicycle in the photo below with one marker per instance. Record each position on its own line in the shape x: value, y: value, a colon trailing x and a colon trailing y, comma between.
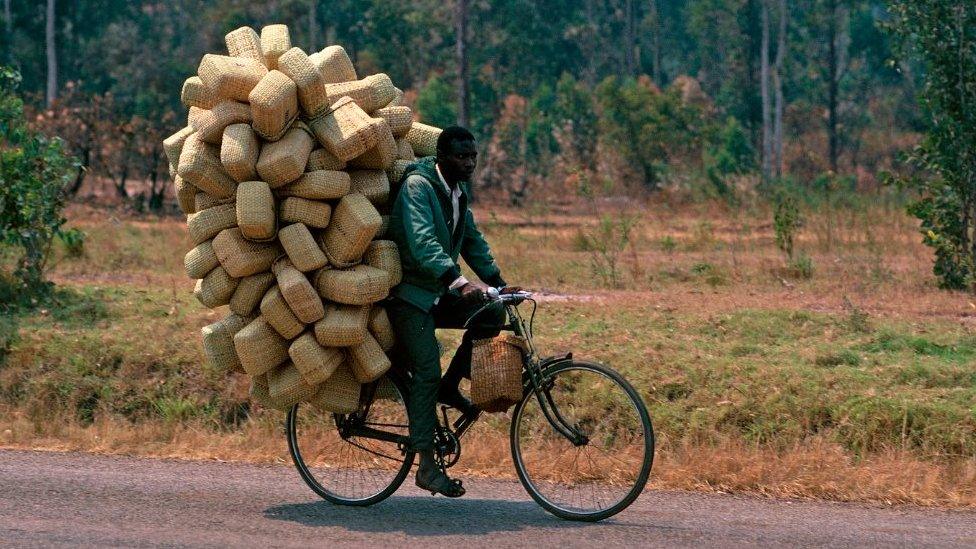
x: 581, y: 437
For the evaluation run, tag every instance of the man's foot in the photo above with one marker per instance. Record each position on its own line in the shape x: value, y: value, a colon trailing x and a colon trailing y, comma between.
x: 453, y: 398
x: 437, y: 481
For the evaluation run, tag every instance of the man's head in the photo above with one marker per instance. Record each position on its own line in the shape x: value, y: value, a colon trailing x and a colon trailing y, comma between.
x: 457, y: 154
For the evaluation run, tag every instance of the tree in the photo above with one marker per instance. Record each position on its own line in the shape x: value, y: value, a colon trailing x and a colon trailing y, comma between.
x: 767, y: 130
x: 940, y: 34
x: 778, y: 91
x: 461, y: 49
x: 52, y: 55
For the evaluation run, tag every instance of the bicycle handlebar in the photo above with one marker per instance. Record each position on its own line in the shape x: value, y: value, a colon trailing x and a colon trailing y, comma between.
x: 494, y: 295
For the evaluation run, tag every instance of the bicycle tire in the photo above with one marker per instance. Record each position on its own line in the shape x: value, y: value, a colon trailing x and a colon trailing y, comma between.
x: 648, y: 455
x: 316, y: 486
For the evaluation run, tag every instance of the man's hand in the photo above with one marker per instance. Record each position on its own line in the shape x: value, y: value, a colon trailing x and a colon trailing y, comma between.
x: 474, y: 291
x: 511, y: 290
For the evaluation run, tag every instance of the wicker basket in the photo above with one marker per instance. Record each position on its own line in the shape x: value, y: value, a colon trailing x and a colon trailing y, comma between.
x: 203, y: 201
x: 283, y: 161
x: 342, y: 325
x: 274, y: 105
x: 397, y: 98
x: 311, y: 84
x: 216, y: 288
x: 218, y: 343
x: 256, y: 211
x: 359, y: 285
x: 231, y: 77
x: 275, y: 41
x: 206, y: 224
x: 200, y: 260
x: 301, y: 296
x: 318, y: 185
x: 405, y: 150
x: 173, y: 146
x: 244, y: 42
x: 384, y: 226
x: 380, y: 327
x: 196, y: 94
x: 275, y: 310
x: 383, y: 255
x: 382, y: 155
x: 367, y: 360
x: 287, y: 386
x: 373, y: 184
x: 334, y: 64
x: 315, y: 362
x: 311, y: 213
x: 354, y: 224
x: 249, y: 293
x: 301, y: 247
x: 242, y: 257
x: 496, y: 372
x: 423, y: 139
x: 259, y: 390
x: 194, y: 115
x: 345, y: 130
x: 395, y: 174
x: 370, y: 93
x: 239, y: 150
x: 260, y: 347
x: 322, y: 159
x: 399, y: 119
x: 185, y: 195
x: 340, y: 395
x: 200, y: 165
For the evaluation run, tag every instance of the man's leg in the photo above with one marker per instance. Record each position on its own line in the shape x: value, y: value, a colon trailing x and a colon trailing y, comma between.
x: 453, y: 312
x: 417, y: 346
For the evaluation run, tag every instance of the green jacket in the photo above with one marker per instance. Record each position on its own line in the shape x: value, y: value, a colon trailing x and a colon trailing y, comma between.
x: 420, y: 224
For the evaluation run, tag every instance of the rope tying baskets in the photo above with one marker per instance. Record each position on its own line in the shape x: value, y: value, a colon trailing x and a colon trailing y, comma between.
x: 311, y: 84
x: 231, y: 77
x: 423, y: 139
x: 382, y: 155
x: 249, y: 293
x: 311, y: 213
x: 322, y: 159
x: 370, y: 93
x: 383, y: 255
x: 359, y: 285
x: 244, y: 42
x: 205, y: 224
x: 334, y: 64
x: 373, y: 184
x: 367, y: 360
x: 298, y: 292
x: 200, y: 260
x: 496, y: 372
x: 380, y: 327
x: 345, y: 130
x: 274, y: 105
x: 354, y: 223
x: 301, y: 248
x: 342, y: 325
x: 399, y: 118
x: 318, y: 185
x: 239, y: 150
x: 218, y: 343
x: 340, y: 395
x: 256, y: 211
x: 315, y: 362
x: 284, y: 161
x: 275, y: 310
x: 242, y: 257
x: 216, y: 288
x: 200, y: 165
x: 275, y: 40
x: 196, y: 94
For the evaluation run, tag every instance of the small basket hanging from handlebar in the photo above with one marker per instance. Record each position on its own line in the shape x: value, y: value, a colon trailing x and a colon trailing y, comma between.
x: 496, y: 372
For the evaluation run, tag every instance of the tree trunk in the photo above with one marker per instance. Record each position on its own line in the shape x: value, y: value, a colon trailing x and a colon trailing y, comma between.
x: 630, y: 46
x: 313, y: 27
x: 832, y: 72
x: 767, y: 148
x: 52, y: 56
x: 8, y: 20
x: 461, y: 48
x: 656, y: 45
x: 778, y: 86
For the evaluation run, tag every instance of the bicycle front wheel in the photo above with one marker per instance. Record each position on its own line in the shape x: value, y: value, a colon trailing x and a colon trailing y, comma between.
x: 602, y: 472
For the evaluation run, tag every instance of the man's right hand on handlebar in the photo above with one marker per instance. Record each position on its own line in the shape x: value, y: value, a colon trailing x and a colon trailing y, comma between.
x: 474, y: 291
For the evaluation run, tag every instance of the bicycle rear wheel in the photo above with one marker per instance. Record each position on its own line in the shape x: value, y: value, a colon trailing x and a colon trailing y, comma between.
x: 350, y: 469
x: 608, y: 469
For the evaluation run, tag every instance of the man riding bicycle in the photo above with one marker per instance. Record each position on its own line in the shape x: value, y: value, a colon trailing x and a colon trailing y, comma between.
x: 432, y: 226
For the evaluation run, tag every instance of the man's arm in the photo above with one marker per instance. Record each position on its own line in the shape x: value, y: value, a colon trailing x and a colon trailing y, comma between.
x: 414, y: 208
x: 477, y: 254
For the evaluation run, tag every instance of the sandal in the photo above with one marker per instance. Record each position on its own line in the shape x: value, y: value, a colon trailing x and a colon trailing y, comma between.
x: 438, y: 482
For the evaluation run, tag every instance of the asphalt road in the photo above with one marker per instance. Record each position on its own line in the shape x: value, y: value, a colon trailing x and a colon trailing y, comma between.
x: 79, y: 500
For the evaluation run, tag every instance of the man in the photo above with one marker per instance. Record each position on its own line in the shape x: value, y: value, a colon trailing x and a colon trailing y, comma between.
x: 432, y: 225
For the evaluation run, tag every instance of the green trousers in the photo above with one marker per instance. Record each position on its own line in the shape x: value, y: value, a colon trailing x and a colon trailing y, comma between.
x: 416, y: 351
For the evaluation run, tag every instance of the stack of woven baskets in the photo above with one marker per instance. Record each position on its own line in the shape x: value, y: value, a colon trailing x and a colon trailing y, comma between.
x: 284, y: 172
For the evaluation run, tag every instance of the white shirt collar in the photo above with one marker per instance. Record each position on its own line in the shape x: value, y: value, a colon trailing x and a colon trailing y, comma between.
x: 456, y: 191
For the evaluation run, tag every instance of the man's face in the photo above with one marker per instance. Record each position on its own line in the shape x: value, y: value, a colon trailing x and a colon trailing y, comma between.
x: 458, y: 164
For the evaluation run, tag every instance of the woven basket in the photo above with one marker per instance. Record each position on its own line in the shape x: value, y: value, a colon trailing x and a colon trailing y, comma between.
x: 370, y: 93
x: 185, y: 195
x: 205, y: 224
x: 382, y: 155
x: 260, y: 347
x: 203, y: 201
x: 311, y: 213
x: 274, y: 105
x: 340, y: 395
x: 405, y: 150
x: 259, y: 390
x: 496, y: 372
x: 322, y: 159
x: 380, y: 327
x: 196, y: 94
x: 383, y: 255
x: 275, y: 41
x: 287, y: 387
x: 173, y: 146
x: 218, y: 343
x: 275, y: 310
x: 367, y: 360
x: 354, y: 224
x: 200, y: 165
x: 256, y: 211
x: 334, y: 64
x: 342, y: 325
x: 210, y: 124
x: 216, y: 288
x: 345, y: 130
x: 359, y: 285
x: 395, y: 174
x: 200, y: 260
x: 301, y: 296
x: 194, y: 115
x: 230, y: 77
x: 249, y: 293
x: 423, y: 139
x: 244, y: 42
x: 384, y: 226
x: 239, y: 150
x: 315, y: 362
x: 301, y: 247
x: 242, y: 257
x: 373, y: 184
x: 283, y: 161
x: 311, y: 84
x: 399, y: 118
x: 318, y: 185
